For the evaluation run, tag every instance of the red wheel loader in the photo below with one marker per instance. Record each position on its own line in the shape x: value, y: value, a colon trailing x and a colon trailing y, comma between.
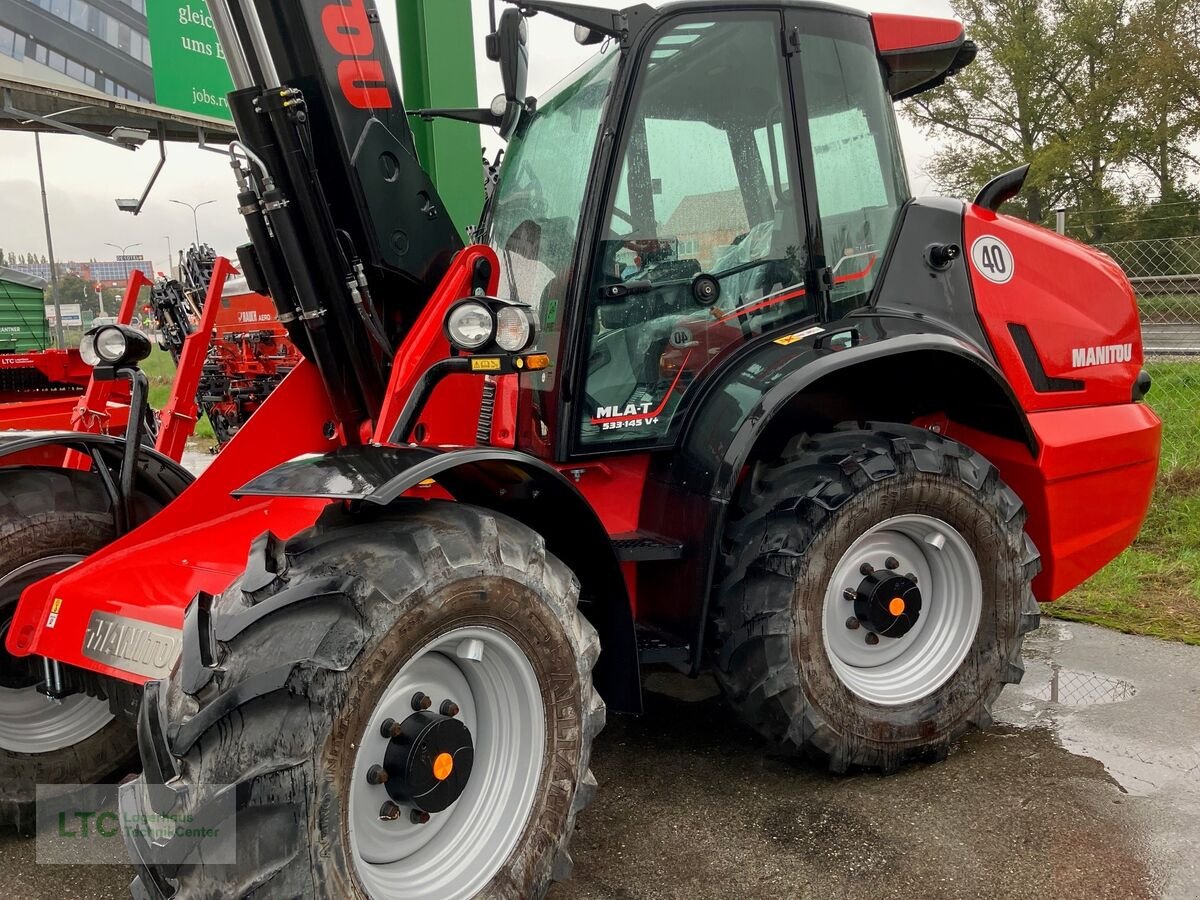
x: 713, y: 391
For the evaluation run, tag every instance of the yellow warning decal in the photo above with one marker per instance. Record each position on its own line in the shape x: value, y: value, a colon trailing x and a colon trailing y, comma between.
x: 798, y: 336
x: 485, y: 364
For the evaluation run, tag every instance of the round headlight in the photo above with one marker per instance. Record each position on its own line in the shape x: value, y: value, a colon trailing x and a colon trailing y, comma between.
x: 111, y: 345
x: 514, y: 328
x: 87, y: 350
x: 470, y: 326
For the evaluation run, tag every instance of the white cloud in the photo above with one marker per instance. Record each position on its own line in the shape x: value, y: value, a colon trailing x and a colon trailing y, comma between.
x: 83, y: 176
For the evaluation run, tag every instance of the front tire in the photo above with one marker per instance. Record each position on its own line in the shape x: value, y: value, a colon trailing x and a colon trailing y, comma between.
x: 49, y: 519
x: 321, y: 643
x: 875, y: 596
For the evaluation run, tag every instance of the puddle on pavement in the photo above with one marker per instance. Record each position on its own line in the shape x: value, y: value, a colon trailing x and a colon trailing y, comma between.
x: 1068, y: 687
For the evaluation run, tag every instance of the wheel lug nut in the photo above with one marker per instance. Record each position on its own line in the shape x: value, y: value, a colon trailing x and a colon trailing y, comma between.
x: 390, y: 728
x: 377, y: 775
x: 449, y: 708
x: 852, y: 623
x: 418, y: 817
x: 389, y: 812
x: 421, y: 702
x: 850, y: 594
x: 866, y: 569
x: 892, y: 563
x: 911, y: 577
x: 872, y: 638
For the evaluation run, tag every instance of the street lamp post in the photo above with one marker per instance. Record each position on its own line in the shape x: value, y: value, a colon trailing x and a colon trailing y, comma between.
x: 58, y: 322
x: 170, y: 257
x: 195, y: 217
x: 124, y: 252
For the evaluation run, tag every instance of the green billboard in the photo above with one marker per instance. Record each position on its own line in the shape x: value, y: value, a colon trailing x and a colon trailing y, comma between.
x: 190, y: 74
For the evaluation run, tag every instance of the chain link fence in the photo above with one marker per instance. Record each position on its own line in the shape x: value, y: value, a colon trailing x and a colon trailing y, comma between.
x: 1164, y: 267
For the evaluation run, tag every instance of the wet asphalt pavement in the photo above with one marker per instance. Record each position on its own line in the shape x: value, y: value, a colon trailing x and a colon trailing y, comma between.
x: 1088, y: 787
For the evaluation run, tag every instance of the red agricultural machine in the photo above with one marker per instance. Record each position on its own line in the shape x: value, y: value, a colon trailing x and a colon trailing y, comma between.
x: 250, y: 353
x: 55, y: 389
x: 368, y: 651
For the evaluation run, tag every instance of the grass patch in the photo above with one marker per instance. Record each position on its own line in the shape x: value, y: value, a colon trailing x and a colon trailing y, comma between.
x: 1153, y: 587
x: 1175, y: 396
x: 160, y: 369
x: 1165, y: 309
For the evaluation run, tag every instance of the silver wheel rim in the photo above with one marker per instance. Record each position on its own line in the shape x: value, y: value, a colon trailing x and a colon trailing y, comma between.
x: 30, y: 722
x: 457, y: 852
x: 902, y: 670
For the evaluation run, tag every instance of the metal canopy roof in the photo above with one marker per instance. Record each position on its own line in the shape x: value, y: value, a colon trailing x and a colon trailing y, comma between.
x: 12, y: 276
x: 24, y: 102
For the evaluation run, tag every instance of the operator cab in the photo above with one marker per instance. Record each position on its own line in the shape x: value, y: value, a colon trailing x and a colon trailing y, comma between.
x: 719, y: 177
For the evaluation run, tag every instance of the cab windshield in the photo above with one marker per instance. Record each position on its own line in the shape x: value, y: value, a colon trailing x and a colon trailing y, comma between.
x: 535, y: 215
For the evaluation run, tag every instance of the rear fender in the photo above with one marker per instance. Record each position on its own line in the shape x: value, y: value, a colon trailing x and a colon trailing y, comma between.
x: 505, y: 481
x: 782, y: 390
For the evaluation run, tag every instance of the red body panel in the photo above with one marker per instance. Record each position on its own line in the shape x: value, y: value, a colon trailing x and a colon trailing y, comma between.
x: 897, y: 33
x: 1088, y: 490
x: 613, y: 487
x: 452, y: 412
x: 197, y: 543
x: 1070, y: 297
x: 56, y: 415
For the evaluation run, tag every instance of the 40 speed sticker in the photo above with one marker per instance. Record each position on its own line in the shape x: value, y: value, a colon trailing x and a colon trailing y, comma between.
x: 992, y: 259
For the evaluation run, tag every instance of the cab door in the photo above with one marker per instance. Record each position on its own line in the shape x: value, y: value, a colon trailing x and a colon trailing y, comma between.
x: 703, y: 242
x: 850, y: 147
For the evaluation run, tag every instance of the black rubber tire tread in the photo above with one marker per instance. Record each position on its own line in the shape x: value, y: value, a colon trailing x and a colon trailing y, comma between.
x: 791, y: 523
x: 48, y: 512
x: 288, y: 751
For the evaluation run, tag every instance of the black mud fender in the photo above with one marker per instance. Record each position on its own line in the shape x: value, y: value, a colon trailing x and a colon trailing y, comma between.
x: 689, y: 492
x: 159, y: 478
x: 505, y: 481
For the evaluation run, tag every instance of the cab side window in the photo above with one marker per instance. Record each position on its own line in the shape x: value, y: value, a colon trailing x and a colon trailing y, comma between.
x: 703, y: 190
x: 857, y: 164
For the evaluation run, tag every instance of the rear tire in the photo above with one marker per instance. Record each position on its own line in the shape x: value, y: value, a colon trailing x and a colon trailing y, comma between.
x: 49, y: 519
x: 315, y: 643
x: 795, y: 660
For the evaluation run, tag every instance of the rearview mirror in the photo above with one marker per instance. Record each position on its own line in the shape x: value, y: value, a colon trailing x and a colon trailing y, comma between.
x: 512, y: 49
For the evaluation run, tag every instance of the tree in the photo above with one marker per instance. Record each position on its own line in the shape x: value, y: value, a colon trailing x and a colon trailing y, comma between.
x: 73, y: 289
x: 1164, y: 121
x: 998, y: 113
x: 1085, y: 91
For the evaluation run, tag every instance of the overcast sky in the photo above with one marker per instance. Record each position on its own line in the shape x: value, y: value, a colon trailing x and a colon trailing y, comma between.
x: 83, y: 176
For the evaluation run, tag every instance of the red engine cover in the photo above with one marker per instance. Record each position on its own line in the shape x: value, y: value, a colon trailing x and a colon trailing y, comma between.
x: 1076, y: 304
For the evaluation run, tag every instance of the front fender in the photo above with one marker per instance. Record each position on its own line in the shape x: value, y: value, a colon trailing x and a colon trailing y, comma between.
x: 505, y: 481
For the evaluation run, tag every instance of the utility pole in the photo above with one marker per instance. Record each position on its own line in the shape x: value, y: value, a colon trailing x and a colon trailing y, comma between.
x: 58, y: 319
x: 437, y: 64
x: 170, y: 258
